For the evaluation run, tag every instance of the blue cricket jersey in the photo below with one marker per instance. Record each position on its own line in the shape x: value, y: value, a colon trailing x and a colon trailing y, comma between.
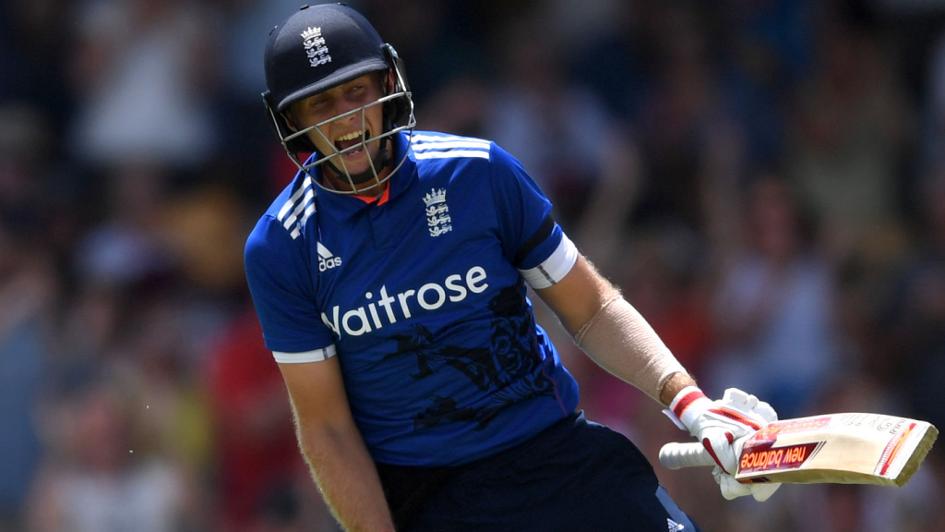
x: 423, y: 299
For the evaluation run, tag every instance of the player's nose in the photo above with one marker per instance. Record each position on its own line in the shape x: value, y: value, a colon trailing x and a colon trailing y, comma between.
x: 352, y: 108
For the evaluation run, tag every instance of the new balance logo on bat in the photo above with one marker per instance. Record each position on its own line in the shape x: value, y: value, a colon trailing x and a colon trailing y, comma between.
x: 326, y: 260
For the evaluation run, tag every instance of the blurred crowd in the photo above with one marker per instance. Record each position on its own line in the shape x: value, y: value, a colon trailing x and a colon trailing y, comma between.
x: 765, y: 180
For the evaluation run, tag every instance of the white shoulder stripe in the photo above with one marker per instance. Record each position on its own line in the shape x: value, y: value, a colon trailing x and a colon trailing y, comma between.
x: 309, y: 196
x: 309, y: 211
x: 306, y: 186
x: 316, y: 355
x: 297, y: 230
x: 449, y: 154
x: 421, y: 138
x: 555, y: 267
x: 430, y: 146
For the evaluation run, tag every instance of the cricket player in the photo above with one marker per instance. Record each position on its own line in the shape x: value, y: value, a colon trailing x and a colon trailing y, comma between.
x: 390, y: 280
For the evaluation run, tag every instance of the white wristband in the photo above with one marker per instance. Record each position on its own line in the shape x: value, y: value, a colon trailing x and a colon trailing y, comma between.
x: 689, y: 404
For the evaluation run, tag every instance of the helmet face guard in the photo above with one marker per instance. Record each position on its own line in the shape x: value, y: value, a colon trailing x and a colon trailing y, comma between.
x: 398, y: 115
x: 320, y: 47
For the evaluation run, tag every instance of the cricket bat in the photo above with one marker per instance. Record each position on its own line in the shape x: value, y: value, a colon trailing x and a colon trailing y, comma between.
x: 848, y: 448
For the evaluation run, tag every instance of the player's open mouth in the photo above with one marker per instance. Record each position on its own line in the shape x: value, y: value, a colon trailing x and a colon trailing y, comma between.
x: 350, y: 139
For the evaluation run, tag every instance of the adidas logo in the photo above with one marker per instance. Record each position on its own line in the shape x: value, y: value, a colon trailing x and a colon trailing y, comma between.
x: 326, y: 260
x: 673, y: 526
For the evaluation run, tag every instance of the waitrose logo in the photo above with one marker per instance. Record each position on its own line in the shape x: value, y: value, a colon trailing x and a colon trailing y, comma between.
x: 384, y: 309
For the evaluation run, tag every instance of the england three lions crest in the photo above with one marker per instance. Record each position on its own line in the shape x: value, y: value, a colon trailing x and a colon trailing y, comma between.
x: 315, y: 48
x: 437, y: 212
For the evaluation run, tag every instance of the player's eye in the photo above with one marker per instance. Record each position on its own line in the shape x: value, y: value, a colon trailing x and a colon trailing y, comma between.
x: 356, y: 90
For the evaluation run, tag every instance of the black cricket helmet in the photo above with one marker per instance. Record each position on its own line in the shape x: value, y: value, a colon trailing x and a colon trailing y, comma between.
x: 315, y: 49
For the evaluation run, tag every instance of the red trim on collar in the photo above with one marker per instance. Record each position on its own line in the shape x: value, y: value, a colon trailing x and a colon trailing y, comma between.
x: 380, y: 200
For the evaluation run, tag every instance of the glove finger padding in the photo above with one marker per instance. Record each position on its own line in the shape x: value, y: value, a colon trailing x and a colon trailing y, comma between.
x: 732, y: 489
x: 748, y: 404
x: 718, y: 441
x: 764, y: 490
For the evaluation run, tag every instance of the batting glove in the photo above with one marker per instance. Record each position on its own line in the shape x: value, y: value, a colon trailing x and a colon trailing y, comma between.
x: 722, y: 427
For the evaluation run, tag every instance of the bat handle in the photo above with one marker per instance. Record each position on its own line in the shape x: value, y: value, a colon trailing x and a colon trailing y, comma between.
x: 678, y: 455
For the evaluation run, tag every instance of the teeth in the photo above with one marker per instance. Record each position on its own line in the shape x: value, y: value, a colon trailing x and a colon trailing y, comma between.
x: 352, y: 136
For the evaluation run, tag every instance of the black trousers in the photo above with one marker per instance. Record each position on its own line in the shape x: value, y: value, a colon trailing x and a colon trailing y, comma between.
x: 575, y: 475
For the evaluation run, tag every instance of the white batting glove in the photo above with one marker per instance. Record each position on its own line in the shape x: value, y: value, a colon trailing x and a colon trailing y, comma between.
x: 722, y: 427
x: 733, y: 489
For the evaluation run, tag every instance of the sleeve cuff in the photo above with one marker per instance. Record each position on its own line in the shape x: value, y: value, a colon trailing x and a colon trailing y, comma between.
x: 555, y: 267
x: 316, y: 355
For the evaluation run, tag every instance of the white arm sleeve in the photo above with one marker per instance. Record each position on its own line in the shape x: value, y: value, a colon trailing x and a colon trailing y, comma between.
x: 620, y: 340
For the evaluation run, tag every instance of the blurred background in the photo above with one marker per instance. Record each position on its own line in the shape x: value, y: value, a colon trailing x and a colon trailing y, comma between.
x: 765, y: 179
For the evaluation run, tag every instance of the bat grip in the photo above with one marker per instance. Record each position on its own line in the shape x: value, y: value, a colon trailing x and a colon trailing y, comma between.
x: 678, y: 455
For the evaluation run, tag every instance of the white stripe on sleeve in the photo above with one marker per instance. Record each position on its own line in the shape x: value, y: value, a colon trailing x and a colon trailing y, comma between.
x: 555, y: 267
x: 316, y: 355
x: 450, y: 154
x: 431, y: 146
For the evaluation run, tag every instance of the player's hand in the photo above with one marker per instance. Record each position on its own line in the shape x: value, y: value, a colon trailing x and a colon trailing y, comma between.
x: 722, y: 427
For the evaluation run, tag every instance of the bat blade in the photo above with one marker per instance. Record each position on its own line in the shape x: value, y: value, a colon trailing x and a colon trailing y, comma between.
x: 847, y: 448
